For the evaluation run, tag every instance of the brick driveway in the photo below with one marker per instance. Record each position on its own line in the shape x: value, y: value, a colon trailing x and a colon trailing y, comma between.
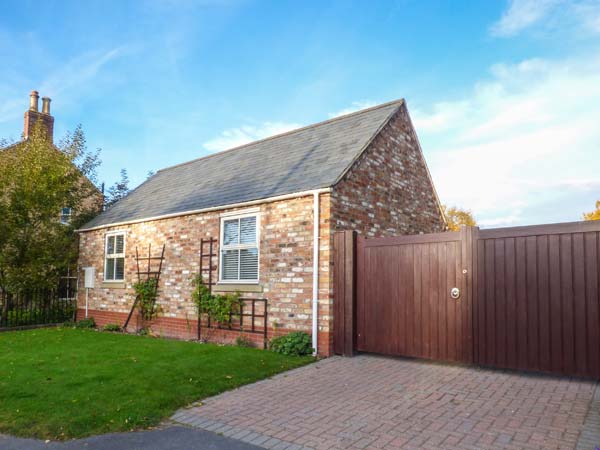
x: 387, y: 403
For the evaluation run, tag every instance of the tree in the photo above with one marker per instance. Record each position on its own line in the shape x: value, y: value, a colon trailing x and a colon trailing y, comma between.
x: 38, y: 180
x: 118, y: 190
x: 456, y: 217
x: 594, y: 215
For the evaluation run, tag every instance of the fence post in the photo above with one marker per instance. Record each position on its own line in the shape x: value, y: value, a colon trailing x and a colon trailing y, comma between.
x: 468, y: 239
x: 344, y: 292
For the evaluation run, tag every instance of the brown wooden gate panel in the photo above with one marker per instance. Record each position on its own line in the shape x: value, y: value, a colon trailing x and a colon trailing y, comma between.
x: 537, y: 302
x: 403, y: 297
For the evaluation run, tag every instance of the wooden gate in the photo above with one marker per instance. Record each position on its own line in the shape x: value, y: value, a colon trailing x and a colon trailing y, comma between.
x: 529, y: 297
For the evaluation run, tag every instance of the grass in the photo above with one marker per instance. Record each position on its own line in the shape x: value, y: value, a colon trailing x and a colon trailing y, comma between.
x: 60, y: 383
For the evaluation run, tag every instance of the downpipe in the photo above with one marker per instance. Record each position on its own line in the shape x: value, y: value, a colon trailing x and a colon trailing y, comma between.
x: 315, y: 298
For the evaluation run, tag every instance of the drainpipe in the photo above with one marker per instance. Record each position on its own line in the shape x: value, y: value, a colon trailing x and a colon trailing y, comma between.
x: 315, y: 299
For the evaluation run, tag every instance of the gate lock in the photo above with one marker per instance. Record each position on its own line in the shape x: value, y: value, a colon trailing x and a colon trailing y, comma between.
x: 455, y: 293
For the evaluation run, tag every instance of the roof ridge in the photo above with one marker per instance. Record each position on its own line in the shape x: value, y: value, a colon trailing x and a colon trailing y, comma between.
x: 296, y: 130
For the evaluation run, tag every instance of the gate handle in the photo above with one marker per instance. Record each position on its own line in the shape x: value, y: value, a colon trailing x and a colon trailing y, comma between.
x: 455, y: 293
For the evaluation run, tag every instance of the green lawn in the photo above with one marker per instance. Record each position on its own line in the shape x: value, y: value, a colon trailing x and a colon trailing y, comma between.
x: 60, y: 383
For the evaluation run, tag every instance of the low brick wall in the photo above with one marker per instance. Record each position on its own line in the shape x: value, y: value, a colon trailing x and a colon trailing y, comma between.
x: 187, y: 329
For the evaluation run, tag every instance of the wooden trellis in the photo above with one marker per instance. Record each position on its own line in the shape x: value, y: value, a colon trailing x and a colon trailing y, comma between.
x: 248, y: 307
x: 148, y: 274
x: 207, y: 252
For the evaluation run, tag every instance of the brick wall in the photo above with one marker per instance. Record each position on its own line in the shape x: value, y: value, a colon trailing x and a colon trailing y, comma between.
x: 388, y: 191
x: 286, y: 249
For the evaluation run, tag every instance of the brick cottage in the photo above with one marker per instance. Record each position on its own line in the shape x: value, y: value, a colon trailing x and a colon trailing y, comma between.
x: 363, y: 171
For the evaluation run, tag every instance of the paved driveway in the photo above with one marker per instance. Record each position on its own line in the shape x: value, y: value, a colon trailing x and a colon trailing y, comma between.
x: 386, y: 403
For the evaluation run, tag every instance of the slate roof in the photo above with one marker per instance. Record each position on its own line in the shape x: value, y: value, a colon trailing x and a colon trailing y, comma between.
x: 313, y: 157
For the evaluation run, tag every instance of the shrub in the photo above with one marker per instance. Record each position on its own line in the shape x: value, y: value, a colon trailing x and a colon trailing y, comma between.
x: 293, y: 344
x: 112, y: 327
x: 243, y: 341
x: 86, y: 323
x: 34, y: 316
x: 145, y: 331
x: 22, y: 318
x: 217, y: 307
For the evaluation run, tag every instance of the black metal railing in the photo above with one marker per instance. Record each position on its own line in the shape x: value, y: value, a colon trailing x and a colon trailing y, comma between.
x: 36, y: 308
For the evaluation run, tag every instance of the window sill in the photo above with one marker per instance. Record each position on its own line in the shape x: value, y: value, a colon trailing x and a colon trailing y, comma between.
x: 113, y: 285
x: 238, y: 288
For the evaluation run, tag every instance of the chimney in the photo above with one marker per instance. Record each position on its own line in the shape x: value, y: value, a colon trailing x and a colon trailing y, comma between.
x: 33, y: 116
x: 33, y: 100
x: 46, y: 105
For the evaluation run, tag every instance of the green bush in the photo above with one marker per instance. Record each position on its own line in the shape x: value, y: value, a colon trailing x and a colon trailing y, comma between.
x: 112, y: 327
x: 243, y: 341
x: 86, y: 323
x: 22, y: 318
x: 293, y: 344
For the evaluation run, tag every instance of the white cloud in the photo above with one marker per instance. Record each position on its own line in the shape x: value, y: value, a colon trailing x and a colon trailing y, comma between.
x: 588, y: 13
x: 500, y: 221
x: 234, y: 137
x: 580, y: 185
x: 522, y: 14
x: 577, y: 16
x: 522, y: 139
x: 355, y: 106
x: 442, y: 117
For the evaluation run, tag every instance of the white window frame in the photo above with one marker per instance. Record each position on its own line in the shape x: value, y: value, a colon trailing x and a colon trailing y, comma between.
x: 69, y: 216
x: 232, y: 216
x: 114, y: 255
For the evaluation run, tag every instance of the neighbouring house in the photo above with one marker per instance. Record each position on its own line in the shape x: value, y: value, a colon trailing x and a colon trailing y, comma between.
x: 33, y: 117
x: 273, y: 206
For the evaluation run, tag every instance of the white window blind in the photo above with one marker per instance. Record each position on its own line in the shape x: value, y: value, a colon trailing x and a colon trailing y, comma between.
x: 239, y: 251
x: 114, y: 257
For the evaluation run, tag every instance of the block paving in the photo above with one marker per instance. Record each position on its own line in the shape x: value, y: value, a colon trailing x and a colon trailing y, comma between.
x: 375, y: 402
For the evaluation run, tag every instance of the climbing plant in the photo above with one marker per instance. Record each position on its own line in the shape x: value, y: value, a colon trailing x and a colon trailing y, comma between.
x: 218, y: 307
x: 147, y: 292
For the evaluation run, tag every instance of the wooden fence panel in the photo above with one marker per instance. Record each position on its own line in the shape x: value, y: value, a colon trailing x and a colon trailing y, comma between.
x: 538, y: 294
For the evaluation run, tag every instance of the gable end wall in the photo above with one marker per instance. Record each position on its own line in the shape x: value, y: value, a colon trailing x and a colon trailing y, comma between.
x: 388, y: 191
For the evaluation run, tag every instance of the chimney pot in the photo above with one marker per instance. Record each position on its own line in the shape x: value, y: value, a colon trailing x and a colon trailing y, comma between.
x: 33, y: 100
x: 46, y: 105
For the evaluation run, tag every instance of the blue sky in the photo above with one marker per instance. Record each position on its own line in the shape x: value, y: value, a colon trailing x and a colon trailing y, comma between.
x: 505, y: 96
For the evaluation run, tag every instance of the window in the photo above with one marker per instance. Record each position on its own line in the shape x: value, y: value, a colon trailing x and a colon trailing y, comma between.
x: 114, y: 257
x: 65, y: 215
x: 239, y: 249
